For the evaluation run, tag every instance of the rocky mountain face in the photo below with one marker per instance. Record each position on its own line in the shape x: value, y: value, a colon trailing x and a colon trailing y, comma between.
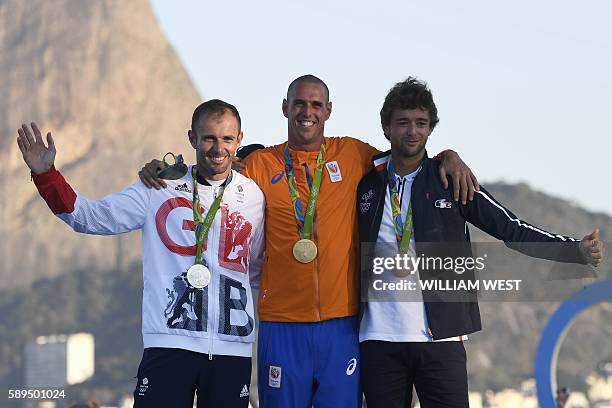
x: 101, y: 76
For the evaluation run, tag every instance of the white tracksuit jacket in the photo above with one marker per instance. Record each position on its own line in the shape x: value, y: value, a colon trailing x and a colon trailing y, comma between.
x: 218, y: 319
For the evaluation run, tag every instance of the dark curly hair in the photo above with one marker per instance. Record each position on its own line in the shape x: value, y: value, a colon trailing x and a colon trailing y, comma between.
x: 409, y: 94
x: 215, y: 107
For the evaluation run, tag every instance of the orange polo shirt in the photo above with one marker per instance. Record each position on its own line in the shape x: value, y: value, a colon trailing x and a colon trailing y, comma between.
x: 327, y: 287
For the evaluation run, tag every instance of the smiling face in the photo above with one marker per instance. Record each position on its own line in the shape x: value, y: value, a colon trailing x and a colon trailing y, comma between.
x: 216, y: 138
x: 408, y: 131
x: 306, y: 108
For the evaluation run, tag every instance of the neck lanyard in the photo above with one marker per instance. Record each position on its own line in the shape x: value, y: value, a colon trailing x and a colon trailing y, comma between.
x: 304, y: 221
x: 403, y: 231
x: 202, y: 226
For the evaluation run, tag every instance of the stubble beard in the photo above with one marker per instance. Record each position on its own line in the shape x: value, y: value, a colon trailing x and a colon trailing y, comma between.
x: 407, y: 152
x: 208, y: 169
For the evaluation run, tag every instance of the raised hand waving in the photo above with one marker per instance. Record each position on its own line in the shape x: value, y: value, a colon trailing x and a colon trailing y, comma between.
x: 37, y: 156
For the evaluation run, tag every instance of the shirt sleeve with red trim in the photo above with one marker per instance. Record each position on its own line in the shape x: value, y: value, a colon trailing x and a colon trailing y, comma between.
x: 56, y: 192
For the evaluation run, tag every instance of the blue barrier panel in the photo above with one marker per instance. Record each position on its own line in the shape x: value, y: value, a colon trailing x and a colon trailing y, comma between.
x: 554, y: 333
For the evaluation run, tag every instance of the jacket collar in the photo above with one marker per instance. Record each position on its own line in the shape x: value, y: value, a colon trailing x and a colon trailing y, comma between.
x: 204, y: 182
x: 381, y: 160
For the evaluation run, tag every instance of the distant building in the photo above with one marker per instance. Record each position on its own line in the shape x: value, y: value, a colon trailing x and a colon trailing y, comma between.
x: 604, y: 368
x: 475, y: 399
x: 529, y: 393
x: 507, y: 398
x: 577, y: 400
x: 57, y: 361
x: 600, y: 390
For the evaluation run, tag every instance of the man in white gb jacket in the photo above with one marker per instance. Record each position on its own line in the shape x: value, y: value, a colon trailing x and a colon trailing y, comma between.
x: 198, y: 318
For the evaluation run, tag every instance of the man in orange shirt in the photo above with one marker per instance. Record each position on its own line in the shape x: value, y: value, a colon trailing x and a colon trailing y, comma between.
x: 308, y: 349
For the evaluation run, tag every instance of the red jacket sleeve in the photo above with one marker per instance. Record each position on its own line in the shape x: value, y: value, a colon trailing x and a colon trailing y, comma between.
x: 55, y: 190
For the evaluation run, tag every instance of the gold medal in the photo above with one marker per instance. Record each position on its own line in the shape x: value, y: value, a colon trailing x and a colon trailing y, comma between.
x: 198, y: 276
x: 305, y: 251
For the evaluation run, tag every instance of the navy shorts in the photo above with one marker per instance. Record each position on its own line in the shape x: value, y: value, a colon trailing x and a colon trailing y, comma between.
x: 170, y: 377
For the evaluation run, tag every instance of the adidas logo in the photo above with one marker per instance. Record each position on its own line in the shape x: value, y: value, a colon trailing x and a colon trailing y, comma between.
x: 183, y: 187
x: 244, y: 392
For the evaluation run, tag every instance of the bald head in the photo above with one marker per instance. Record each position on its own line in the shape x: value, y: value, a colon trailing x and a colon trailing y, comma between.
x: 307, y: 79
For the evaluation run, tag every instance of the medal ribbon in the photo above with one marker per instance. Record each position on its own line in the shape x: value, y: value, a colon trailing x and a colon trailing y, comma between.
x: 177, y: 159
x: 304, y: 221
x: 202, y: 226
x: 403, y: 231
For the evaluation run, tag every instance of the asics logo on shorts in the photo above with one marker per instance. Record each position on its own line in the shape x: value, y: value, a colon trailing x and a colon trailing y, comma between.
x: 351, y: 367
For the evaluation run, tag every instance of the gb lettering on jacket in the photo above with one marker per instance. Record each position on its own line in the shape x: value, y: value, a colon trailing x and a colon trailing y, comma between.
x: 233, y: 240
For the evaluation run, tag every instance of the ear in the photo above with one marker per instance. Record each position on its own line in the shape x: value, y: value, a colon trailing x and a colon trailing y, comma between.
x: 328, y: 109
x: 385, y: 130
x: 193, y: 139
x: 239, y: 138
x: 286, y: 108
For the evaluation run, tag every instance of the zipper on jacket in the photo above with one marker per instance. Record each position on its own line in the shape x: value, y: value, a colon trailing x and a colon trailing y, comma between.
x: 415, y: 224
x: 211, y: 288
x: 213, y: 243
x: 429, y: 331
x: 212, y: 317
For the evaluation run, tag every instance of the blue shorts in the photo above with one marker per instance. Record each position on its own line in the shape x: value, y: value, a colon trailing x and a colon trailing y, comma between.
x: 306, y: 364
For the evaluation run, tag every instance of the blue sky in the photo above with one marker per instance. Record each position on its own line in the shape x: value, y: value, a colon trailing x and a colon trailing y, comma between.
x: 522, y: 87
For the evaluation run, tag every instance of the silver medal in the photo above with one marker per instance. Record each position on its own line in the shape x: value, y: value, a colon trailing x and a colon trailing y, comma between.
x: 198, y: 276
